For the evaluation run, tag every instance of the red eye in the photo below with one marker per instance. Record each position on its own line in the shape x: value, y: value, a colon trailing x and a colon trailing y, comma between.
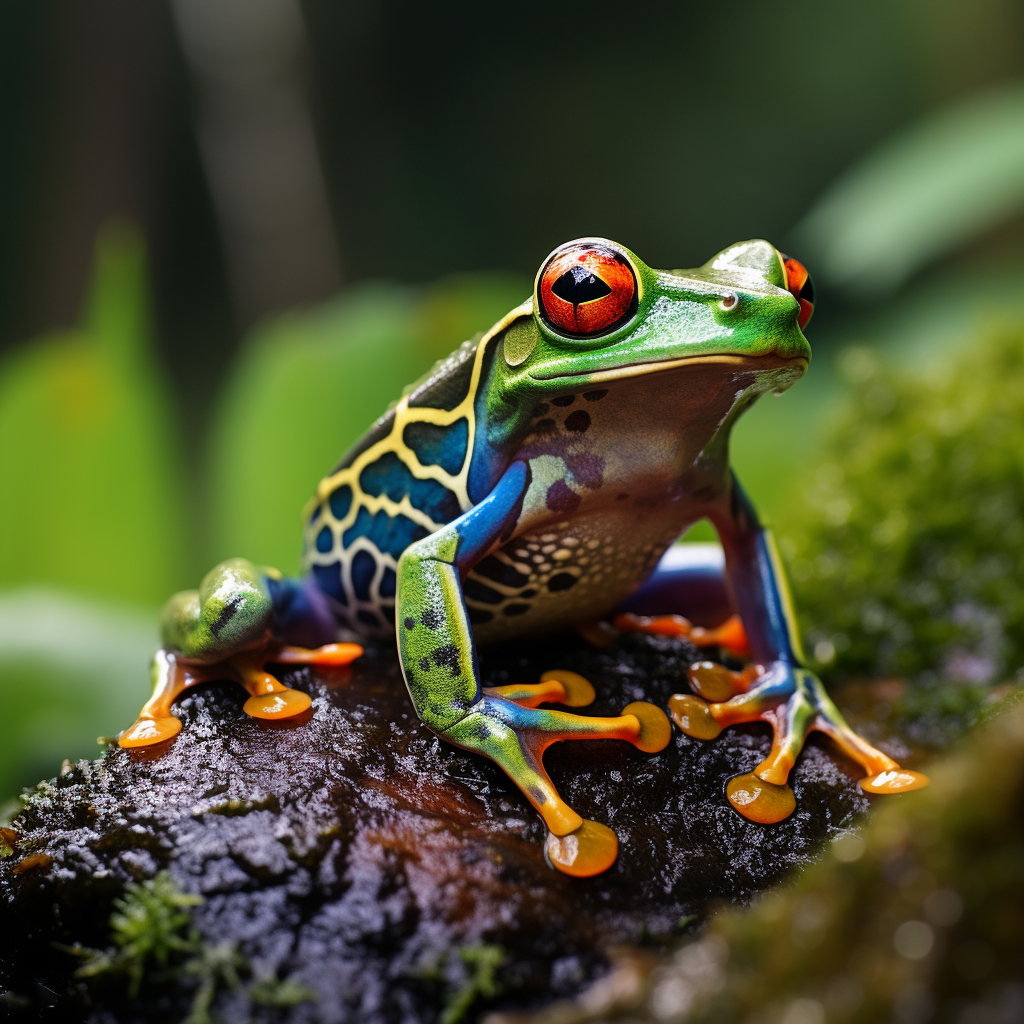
x: 799, y: 283
x: 587, y: 289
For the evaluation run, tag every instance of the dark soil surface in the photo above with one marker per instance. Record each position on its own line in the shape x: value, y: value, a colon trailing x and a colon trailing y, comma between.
x: 359, y: 856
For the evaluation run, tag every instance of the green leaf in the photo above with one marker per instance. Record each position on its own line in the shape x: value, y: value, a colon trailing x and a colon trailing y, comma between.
x: 931, y: 188
x: 92, y: 495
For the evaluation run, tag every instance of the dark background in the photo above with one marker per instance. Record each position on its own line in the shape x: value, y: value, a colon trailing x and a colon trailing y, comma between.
x: 460, y: 136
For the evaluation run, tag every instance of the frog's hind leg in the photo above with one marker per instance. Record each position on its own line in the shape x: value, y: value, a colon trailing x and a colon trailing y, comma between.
x: 507, y: 727
x: 793, y: 707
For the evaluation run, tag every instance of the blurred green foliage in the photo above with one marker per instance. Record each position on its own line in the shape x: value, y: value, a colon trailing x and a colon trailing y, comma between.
x: 931, y: 188
x: 92, y: 491
x: 906, y: 542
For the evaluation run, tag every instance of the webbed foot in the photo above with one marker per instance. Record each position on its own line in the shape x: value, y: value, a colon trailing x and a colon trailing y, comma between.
x: 506, y: 726
x: 269, y: 699
x: 730, y: 635
x: 794, y: 703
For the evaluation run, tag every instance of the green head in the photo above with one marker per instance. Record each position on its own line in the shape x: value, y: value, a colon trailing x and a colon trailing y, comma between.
x: 599, y: 315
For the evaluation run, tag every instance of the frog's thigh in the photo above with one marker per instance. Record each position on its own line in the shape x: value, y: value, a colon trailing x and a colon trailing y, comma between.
x: 230, y: 612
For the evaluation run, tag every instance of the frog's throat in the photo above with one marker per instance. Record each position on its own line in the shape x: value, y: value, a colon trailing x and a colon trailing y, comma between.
x: 771, y: 360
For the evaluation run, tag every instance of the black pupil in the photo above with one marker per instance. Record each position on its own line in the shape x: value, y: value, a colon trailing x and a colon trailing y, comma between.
x: 578, y: 285
x: 807, y: 292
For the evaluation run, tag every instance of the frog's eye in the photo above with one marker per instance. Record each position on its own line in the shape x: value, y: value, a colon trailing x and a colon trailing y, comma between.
x: 587, y: 289
x: 799, y: 283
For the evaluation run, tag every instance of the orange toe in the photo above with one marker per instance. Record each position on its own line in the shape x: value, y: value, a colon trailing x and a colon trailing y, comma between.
x: 589, y: 850
x: 895, y: 780
x: 655, y: 731
x: 760, y: 801
x: 277, y: 706
x: 148, y: 732
x: 579, y: 692
x: 693, y: 716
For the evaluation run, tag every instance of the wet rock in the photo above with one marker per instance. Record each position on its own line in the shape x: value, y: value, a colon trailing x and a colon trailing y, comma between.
x: 358, y: 857
x: 916, y: 919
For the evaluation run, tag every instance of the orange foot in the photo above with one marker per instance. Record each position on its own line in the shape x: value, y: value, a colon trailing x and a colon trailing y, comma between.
x: 269, y: 699
x: 794, y: 703
x: 730, y: 635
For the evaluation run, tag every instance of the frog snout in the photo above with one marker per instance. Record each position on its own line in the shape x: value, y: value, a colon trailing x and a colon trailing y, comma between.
x: 800, y: 285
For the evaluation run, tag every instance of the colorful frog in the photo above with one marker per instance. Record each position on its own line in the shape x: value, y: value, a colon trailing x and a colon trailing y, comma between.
x: 538, y: 479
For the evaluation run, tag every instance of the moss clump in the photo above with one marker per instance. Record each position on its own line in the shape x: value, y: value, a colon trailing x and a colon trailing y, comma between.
x: 154, y: 942
x: 907, y: 550
x: 481, y: 983
x: 150, y: 926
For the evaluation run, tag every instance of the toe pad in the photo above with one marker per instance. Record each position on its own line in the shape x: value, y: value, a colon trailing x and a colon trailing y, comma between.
x: 588, y: 851
x: 655, y: 731
x: 578, y: 691
x: 897, y: 780
x: 760, y: 801
x: 148, y: 732
x: 277, y: 706
x: 693, y: 716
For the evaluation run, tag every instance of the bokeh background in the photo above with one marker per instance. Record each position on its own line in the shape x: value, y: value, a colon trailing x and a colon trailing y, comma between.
x: 232, y: 230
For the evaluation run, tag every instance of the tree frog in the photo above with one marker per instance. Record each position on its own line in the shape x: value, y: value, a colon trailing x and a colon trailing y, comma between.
x: 537, y: 479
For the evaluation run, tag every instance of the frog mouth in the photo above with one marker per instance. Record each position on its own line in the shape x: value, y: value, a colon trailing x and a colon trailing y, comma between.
x: 768, y: 361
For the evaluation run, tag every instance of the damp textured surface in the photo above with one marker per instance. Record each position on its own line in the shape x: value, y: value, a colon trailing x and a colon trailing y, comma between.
x: 352, y: 853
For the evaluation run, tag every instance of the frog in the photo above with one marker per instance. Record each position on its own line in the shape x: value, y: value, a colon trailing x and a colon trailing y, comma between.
x: 539, y: 479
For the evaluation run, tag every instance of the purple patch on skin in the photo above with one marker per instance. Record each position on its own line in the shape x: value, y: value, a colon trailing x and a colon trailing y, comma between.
x: 561, y: 498
x: 586, y: 467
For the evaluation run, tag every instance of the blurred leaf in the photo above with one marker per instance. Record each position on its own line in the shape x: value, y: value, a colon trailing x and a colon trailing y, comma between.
x: 92, y: 486
x: 309, y: 384
x: 931, y: 188
x: 70, y: 670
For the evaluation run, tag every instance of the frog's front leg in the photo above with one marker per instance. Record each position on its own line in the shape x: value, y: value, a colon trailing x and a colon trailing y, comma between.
x: 225, y: 629
x: 439, y: 662
x: 783, y: 692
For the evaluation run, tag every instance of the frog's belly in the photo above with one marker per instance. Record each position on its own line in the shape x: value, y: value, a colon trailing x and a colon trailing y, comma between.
x: 565, y: 573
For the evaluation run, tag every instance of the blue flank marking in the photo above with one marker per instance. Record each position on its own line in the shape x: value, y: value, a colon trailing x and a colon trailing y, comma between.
x: 340, y: 501
x: 328, y: 579
x: 388, y: 582
x: 389, y: 475
x: 324, y: 540
x: 389, y: 535
x: 364, y: 565
x: 439, y: 446
x: 483, y: 523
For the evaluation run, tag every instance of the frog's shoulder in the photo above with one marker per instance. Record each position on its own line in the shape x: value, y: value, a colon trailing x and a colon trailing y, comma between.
x: 444, y: 386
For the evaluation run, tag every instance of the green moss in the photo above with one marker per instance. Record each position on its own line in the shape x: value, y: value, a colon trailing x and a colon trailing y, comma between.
x: 153, y: 942
x: 151, y: 926
x: 907, y: 546
x: 481, y: 982
x: 281, y: 994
